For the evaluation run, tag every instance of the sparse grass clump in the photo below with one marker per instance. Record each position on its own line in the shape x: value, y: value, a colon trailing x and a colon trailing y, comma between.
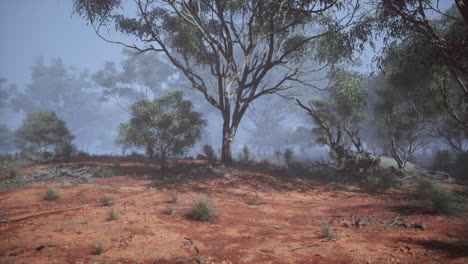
x: 174, y: 198
x: 169, y: 211
x: 100, y: 249
x: 13, y: 173
x: 435, y: 197
x: 66, y: 185
x: 325, y: 230
x: 202, y: 210
x: 113, y: 215
x: 106, y: 201
x: 102, y: 172
x: 254, y: 201
x: 50, y: 195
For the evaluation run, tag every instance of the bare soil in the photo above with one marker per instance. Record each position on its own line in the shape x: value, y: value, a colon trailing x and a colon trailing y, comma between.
x: 291, y: 214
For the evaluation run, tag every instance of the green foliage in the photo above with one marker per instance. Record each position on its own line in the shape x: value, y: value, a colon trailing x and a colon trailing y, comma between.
x: 288, y: 156
x: 380, y: 180
x: 113, y: 215
x: 210, y: 154
x: 13, y: 173
x: 106, y: 201
x: 254, y: 201
x: 167, y: 126
x: 103, y: 172
x: 169, y: 210
x: 435, y: 197
x: 100, y: 249
x: 42, y: 130
x: 202, y: 210
x: 50, y: 195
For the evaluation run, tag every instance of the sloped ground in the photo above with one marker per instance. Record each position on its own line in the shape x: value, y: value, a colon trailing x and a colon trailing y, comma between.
x: 290, y: 215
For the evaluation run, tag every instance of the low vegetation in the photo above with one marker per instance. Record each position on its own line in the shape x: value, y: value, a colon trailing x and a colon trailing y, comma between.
x: 103, y: 172
x: 100, y: 249
x: 113, y: 215
x: 50, y: 195
x: 435, y: 197
x: 174, y: 198
x: 169, y: 210
x: 202, y: 210
x: 106, y: 201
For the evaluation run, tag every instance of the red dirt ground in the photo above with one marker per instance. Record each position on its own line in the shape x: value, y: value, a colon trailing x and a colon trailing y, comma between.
x: 289, y: 216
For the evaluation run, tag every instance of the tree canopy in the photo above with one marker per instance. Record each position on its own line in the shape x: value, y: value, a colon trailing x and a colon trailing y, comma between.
x: 165, y: 127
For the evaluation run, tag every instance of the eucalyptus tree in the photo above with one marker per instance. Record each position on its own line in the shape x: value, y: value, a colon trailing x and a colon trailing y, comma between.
x: 227, y: 50
x: 135, y: 78
x: 339, y: 113
x: 165, y: 127
x: 435, y: 39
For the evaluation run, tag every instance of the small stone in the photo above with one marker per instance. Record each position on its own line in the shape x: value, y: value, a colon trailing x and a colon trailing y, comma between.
x: 406, y: 225
x: 360, y: 223
x: 346, y: 225
x: 420, y: 225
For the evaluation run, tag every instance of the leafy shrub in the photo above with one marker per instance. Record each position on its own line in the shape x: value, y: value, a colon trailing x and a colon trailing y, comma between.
x: 380, y: 180
x: 169, y: 210
x: 202, y: 210
x: 106, y: 201
x: 460, y: 167
x: 113, y: 215
x: 51, y: 194
x: 210, y: 154
x: 254, y: 201
x: 435, y: 197
x: 67, y: 185
x: 102, y: 172
x: 100, y: 249
x: 13, y: 173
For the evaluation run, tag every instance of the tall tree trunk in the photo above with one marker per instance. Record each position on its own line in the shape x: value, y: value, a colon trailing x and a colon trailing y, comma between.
x: 226, y: 151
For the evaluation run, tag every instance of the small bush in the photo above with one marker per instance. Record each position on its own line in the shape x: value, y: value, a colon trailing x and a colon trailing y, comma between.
x: 102, y: 172
x: 13, y: 173
x: 51, y: 194
x: 169, y: 210
x: 325, y: 230
x: 435, y: 197
x: 100, y: 249
x: 210, y: 154
x: 106, y: 201
x: 113, y: 215
x: 254, y: 201
x: 174, y: 198
x: 380, y: 180
x: 66, y: 185
x: 202, y: 210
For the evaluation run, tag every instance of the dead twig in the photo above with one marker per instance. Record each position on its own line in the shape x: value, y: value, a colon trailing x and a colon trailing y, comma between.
x: 314, y: 244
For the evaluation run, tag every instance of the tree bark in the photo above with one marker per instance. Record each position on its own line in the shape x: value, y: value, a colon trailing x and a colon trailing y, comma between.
x: 226, y: 151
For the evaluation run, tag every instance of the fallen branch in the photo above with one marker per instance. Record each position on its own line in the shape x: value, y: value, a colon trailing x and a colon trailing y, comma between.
x: 314, y: 244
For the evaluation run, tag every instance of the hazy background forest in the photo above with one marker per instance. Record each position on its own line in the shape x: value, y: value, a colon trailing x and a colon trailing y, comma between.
x: 378, y: 84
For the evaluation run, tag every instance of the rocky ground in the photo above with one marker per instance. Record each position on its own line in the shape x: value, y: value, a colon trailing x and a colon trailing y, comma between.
x: 288, y: 225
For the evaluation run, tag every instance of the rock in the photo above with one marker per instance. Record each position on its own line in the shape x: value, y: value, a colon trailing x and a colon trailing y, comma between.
x: 360, y: 223
x: 406, y: 225
x: 346, y: 225
x: 420, y: 225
